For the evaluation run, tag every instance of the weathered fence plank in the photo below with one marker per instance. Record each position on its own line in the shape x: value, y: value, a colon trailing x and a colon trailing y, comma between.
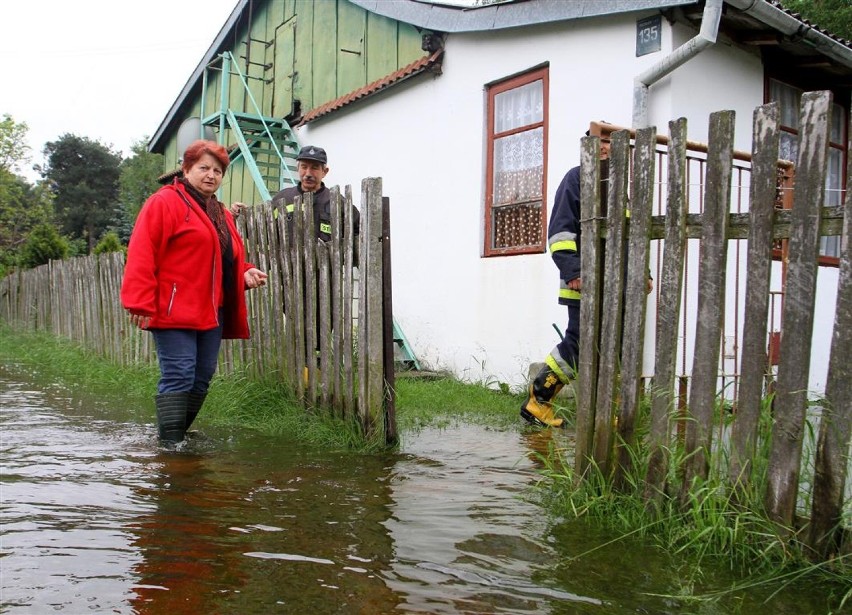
x: 391, y: 436
x: 298, y: 307
x: 370, y: 326
x: 636, y: 293
x: 797, y: 313
x: 310, y: 290
x: 336, y: 290
x: 348, y: 291
x: 668, y: 312
x: 835, y: 430
x: 831, y: 223
x: 765, y: 137
x: 611, y: 314
x: 711, y: 296
x: 327, y: 360
x: 591, y: 276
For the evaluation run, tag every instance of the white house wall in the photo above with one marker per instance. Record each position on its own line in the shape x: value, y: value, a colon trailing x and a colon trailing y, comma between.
x: 487, y: 319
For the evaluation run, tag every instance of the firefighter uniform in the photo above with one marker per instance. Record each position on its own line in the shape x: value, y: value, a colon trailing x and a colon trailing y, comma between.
x: 563, y: 241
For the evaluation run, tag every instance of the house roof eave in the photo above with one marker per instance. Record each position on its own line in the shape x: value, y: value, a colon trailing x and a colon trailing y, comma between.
x: 501, y: 15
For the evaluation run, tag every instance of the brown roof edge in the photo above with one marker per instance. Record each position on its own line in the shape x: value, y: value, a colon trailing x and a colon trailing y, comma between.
x: 430, y: 63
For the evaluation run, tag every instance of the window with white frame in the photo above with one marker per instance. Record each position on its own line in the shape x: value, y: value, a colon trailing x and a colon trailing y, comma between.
x: 515, y: 211
x: 789, y: 98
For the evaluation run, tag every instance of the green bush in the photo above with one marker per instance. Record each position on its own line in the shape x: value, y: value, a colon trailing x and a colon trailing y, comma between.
x: 43, y: 244
x: 109, y: 243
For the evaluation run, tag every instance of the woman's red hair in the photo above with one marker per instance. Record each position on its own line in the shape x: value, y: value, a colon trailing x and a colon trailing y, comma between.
x: 198, y: 148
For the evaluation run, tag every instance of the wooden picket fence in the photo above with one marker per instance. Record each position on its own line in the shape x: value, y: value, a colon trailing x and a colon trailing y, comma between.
x: 613, y: 323
x: 333, y: 347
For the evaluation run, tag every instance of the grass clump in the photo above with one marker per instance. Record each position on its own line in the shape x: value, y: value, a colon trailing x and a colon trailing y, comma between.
x: 708, y: 522
x: 443, y: 401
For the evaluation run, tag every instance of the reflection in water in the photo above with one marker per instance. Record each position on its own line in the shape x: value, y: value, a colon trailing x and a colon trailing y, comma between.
x: 184, y: 552
x: 97, y: 519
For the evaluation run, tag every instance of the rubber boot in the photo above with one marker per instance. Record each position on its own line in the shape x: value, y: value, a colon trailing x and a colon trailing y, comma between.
x: 193, y: 406
x: 538, y: 408
x: 171, y: 416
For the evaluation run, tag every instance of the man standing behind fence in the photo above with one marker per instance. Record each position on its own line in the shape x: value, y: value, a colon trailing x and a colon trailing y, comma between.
x: 563, y: 240
x: 312, y: 168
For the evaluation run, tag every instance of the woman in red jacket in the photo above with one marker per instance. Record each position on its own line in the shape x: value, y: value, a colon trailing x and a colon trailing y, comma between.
x: 184, y: 281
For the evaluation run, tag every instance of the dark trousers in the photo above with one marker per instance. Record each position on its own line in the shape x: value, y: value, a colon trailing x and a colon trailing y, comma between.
x: 187, y: 358
x: 564, y: 358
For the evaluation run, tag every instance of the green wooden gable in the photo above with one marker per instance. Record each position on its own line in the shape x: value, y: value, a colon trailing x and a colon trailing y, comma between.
x: 296, y: 55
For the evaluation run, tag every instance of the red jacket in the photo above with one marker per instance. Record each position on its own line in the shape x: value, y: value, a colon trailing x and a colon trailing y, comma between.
x: 174, y: 267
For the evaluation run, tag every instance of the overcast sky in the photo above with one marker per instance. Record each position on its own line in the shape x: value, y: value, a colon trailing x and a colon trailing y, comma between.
x: 108, y: 70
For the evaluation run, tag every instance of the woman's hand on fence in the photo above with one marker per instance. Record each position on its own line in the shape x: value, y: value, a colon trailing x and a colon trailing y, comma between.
x: 140, y: 321
x: 237, y: 208
x: 255, y: 278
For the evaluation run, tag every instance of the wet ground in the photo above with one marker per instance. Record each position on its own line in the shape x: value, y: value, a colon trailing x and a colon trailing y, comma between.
x: 97, y: 519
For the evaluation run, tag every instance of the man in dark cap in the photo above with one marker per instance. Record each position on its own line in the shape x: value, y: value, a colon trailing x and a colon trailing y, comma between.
x: 312, y: 169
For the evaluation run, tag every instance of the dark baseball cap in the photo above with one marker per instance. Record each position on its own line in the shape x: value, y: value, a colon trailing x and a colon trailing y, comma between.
x: 312, y: 152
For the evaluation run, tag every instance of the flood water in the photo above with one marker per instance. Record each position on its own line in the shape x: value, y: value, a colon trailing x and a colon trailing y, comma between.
x: 97, y: 519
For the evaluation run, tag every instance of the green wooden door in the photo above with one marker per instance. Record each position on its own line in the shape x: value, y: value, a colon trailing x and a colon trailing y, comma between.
x: 284, y: 68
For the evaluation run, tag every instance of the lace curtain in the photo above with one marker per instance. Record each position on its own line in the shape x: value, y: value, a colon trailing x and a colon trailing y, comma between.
x: 518, y: 167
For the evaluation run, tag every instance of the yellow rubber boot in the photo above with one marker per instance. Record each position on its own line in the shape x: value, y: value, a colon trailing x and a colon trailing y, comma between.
x: 538, y: 408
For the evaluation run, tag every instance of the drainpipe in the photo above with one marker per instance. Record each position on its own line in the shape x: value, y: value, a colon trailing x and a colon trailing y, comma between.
x: 706, y: 37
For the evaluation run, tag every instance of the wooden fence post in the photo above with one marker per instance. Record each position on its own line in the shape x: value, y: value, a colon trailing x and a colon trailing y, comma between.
x: 797, y: 315
x: 299, y: 308
x: 591, y: 275
x: 832, y: 461
x: 636, y: 294
x: 611, y: 315
x: 668, y: 312
x: 336, y: 298
x: 764, y: 177
x: 348, y: 290
x: 711, y: 296
x: 370, y: 326
x: 391, y: 436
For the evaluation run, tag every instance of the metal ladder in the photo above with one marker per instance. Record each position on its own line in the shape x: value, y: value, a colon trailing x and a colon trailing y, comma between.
x: 267, y: 146
x: 403, y: 354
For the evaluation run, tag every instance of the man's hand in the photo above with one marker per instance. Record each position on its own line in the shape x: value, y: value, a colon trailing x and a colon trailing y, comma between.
x: 237, y: 208
x: 575, y: 284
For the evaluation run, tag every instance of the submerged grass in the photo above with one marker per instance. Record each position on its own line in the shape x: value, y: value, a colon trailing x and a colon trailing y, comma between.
x: 265, y: 406
x: 708, y: 523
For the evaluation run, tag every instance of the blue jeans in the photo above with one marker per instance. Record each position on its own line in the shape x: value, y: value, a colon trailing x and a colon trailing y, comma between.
x: 187, y: 358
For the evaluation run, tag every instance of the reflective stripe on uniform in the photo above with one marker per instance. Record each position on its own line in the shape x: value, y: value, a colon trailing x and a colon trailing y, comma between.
x: 568, y: 293
x: 564, y: 240
x: 291, y: 208
x: 325, y: 227
x: 559, y: 367
x: 559, y: 246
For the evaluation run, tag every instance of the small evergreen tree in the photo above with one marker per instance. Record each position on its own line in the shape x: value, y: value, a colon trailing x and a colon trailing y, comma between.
x: 43, y: 244
x: 109, y: 242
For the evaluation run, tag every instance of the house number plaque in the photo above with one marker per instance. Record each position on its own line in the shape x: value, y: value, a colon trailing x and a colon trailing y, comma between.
x: 648, y: 35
